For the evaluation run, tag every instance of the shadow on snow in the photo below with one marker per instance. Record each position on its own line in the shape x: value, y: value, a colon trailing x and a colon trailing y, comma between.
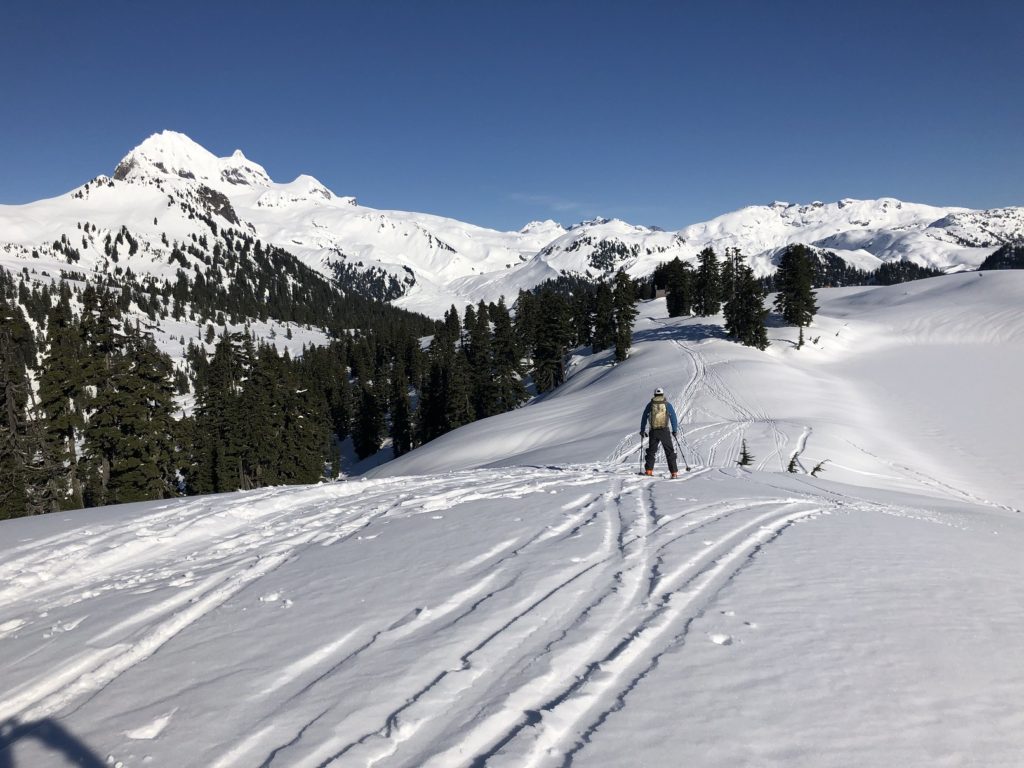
x: 52, y: 735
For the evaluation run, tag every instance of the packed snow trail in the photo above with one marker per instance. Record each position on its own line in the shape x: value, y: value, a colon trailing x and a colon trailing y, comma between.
x: 489, y: 617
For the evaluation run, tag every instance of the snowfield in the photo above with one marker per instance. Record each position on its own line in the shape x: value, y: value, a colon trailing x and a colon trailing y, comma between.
x: 514, y: 594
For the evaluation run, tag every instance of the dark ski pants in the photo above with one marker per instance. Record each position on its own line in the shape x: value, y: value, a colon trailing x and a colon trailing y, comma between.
x: 662, y: 437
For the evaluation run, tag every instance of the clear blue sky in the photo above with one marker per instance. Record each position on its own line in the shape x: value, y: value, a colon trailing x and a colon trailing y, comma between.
x: 497, y: 113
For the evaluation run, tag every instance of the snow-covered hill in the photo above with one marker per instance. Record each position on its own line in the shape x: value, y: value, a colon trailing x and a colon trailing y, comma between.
x: 533, y: 602
x: 169, y: 188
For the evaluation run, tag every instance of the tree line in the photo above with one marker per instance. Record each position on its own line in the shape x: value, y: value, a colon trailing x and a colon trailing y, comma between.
x: 94, y: 413
x: 714, y: 286
x: 728, y: 286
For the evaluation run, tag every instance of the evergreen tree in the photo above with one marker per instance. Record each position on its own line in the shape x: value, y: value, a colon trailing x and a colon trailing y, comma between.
x: 458, y: 394
x: 446, y: 399
x: 285, y: 438
x: 105, y: 372
x: 624, y: 300
x: 61, y: 399
x: 604, y: 318
x: 100, y: 333
x: 401, y: 413
x: 25, y: 473
x: 413, y: 360
x: 582, y: 317
x: 431, y: 421
x: 679, y: 288
x: 324, y: 369
x: 222, y: 424
x: 1009, y: 256
x: 453, y: 325
x: 479, y: 354
x: 551, y: 340
x: 707, y: 284
x: 729, y: 273
x: 746, y: 459
x: 508, y: 373
x: 257, y: 442
x: 21, y: 337
x: 144, y: 462
x: 527, y: 321
x: 305, y: 446
x: 794, y: 282
x: 745, y: 312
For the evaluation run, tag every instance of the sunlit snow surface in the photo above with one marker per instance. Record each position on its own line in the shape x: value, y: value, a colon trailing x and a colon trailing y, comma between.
x: 543, y: 605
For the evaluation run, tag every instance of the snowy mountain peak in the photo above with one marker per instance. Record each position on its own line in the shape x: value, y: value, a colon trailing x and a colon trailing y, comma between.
x: 547, y: 228
x: 302, y: 191
x: 596, y: 221
x: 173, y: 154
x: 310, y: 186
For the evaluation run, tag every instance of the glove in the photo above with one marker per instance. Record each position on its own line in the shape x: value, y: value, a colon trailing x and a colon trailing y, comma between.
x: 643, y: 434
x: 673, y: 434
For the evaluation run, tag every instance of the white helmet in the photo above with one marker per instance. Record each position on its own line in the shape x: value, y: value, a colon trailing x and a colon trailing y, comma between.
x: 659, y: 391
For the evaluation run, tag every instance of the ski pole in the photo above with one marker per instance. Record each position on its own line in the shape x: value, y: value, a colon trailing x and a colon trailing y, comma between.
x: 685, y: 462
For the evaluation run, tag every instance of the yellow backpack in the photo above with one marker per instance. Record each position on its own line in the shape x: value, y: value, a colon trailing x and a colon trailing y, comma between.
x: 659, y: 412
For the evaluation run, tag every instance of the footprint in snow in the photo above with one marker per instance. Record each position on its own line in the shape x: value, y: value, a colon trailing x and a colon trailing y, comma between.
x: 720, y: 639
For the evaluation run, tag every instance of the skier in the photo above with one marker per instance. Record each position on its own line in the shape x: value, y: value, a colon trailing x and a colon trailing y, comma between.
x: 661, y: 414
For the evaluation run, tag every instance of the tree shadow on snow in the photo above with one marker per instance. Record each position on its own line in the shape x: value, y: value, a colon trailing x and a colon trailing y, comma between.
x: 52, y: 735
x: 697, y: 332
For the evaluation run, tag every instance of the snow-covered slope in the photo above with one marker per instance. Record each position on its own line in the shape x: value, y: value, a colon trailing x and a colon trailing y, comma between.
x: 534, y: 602
x: 160, y: 188
x: 941, y: 358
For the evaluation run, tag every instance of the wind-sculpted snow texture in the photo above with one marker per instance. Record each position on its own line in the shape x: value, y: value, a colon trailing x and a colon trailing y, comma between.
x: 541, y: 604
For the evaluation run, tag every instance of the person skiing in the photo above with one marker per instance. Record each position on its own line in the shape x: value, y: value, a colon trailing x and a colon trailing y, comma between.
x: 662, y: 415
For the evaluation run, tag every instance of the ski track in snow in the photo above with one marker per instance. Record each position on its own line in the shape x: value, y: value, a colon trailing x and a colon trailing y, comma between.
x: 71, y: 572
x: 516, y: 666
x: 705, y: 439
x: 934, y: 484
x: 565, y: 648
x: 577, y: 642
x: 711, y: 442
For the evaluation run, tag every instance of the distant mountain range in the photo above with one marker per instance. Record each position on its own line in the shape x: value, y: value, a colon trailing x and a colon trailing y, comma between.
x: 171, y: 190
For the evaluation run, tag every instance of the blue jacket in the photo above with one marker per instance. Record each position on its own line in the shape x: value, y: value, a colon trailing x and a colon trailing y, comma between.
x: 671, y: 416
